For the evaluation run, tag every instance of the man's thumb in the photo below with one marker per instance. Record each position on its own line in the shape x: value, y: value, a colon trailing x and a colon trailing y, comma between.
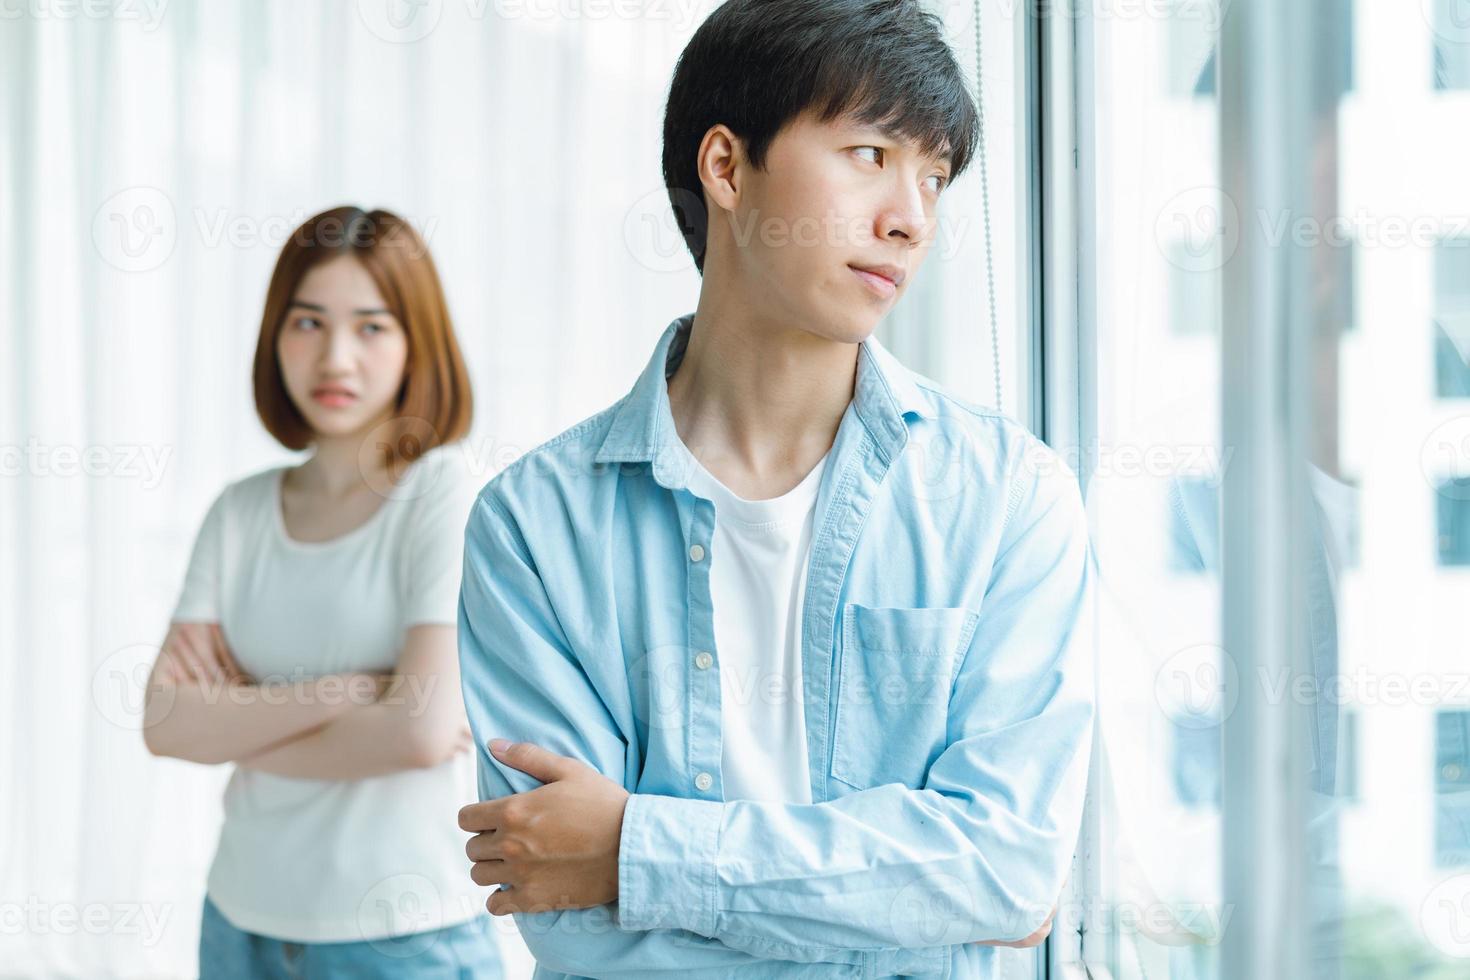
x: 531, y: 759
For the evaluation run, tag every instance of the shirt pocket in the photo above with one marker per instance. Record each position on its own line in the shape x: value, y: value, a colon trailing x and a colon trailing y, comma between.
x: 896, y: 669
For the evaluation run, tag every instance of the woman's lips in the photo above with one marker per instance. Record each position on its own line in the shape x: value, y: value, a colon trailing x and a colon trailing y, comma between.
x: 333, y: 399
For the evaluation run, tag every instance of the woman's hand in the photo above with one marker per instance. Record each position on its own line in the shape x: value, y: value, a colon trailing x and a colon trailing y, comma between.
x: 197, y: 652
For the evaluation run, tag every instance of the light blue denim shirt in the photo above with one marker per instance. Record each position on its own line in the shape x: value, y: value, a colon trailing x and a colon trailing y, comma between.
x: 947, y: 685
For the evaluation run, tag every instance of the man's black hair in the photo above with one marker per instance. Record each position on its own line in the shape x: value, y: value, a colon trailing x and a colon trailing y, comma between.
x: 755, y: 65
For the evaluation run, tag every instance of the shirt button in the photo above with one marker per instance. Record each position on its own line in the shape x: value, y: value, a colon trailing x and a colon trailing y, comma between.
x: 704, y: 781
x: 696, y: 552
x: 702, y: 660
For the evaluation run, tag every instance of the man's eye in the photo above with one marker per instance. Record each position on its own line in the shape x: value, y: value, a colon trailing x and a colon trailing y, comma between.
x: 941, y: 183
x: 877, y: 152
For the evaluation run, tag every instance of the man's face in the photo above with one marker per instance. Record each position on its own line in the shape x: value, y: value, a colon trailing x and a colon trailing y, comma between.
x: 833, y: 231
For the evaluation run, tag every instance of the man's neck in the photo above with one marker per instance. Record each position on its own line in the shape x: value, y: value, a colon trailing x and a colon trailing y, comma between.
x: 758, y: 403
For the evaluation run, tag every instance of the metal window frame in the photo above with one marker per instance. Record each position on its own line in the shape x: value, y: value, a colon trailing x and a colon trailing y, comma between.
x: 1057, y: 52
x: 1273, y: 58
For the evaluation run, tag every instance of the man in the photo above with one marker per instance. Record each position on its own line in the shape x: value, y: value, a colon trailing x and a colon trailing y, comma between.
x: 780, y: 702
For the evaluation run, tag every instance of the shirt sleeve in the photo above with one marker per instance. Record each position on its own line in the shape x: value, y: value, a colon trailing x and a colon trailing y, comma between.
x: 521, y: 681
x: 433, y: 553
x: 980, y: 852
x: 199, y: 599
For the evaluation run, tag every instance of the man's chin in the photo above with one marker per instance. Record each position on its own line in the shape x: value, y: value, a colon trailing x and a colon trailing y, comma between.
x: 853, y: 329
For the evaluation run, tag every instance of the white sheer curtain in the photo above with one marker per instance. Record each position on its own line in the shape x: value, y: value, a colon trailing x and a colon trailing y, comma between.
x: 154, y: 160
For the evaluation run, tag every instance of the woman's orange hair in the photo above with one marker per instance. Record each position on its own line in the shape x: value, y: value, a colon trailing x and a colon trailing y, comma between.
x: 434, y: 404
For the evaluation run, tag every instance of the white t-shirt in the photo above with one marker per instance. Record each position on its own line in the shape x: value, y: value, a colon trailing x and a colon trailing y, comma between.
x: 312, y: 860
x: 758, y: 559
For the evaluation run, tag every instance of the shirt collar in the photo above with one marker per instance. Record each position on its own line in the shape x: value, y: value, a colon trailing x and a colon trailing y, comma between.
x: 643, y: 425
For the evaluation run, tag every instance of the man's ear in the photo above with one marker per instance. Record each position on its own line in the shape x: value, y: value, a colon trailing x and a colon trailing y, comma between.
x: 721, y: 163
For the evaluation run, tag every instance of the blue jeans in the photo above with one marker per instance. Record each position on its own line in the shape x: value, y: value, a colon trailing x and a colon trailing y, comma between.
x: 460, y: 952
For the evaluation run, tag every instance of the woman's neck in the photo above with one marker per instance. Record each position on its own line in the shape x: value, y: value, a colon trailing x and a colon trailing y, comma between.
x: 341, y: 468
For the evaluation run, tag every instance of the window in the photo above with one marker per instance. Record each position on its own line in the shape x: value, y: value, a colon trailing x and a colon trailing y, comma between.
x: 1189, y: 62
x: 965, y: 320
x: 1451, y: 359
x: 1349, y: 298
x: 1390, y: 626
x: 1194, y: 288
x: 1452, y: 318
x: 1453, y: 510
x: 1194, y: 502
x: 1452, y: 789
x: 1347, y: 766
x: 1196, y: 764
x: 1451, y: 24
x: 1160, y: 234
x: 1157, y: 229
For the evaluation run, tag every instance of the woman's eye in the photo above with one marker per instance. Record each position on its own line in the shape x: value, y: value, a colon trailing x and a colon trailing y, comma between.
x: 373, y: 328
x: 307, y: 322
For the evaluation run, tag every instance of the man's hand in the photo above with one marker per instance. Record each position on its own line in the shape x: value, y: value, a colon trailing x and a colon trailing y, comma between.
x: 553, y: 847
x: 1035, y: 939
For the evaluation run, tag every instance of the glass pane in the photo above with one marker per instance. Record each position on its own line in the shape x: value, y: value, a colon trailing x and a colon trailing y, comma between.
x: 1153, y: 493
x: 1452, y: 318
x: 1450, y: 20
x: 1389, y: 543
x: 974, y: 270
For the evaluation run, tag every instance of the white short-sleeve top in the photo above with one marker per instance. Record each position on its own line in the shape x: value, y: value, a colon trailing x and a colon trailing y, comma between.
x: 313, y: 860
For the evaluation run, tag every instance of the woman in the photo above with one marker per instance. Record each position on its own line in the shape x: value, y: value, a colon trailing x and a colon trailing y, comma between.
x: 313, y: 643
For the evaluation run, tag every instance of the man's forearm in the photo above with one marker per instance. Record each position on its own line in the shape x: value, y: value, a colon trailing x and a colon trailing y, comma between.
x: 724, y: 869
x: 220, y: 722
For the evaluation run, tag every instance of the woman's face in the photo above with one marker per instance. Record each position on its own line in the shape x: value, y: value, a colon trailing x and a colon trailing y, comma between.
x: 342, y: 353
